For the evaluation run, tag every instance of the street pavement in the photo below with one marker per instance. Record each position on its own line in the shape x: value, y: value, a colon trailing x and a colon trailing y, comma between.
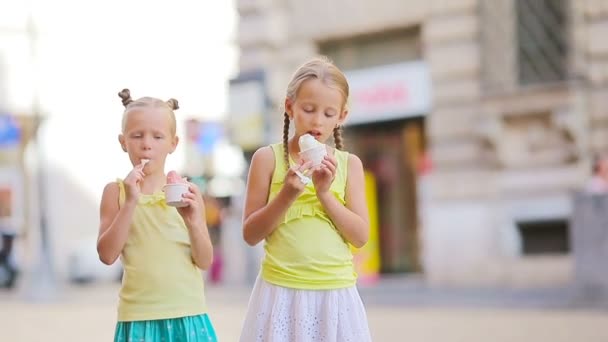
x: 87, y: 313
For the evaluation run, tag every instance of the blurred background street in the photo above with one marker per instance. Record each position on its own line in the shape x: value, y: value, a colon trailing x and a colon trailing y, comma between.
x: 482, y: 126
x: 94, y: 308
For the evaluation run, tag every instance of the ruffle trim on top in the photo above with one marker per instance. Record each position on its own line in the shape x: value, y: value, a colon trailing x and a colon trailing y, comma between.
x: 146, y: 199
x: 155, y: 198
x: 308, y: 205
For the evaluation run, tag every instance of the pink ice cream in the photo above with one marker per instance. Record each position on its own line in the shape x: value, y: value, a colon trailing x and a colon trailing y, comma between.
x: 174, y: 178
x: 175, y: 189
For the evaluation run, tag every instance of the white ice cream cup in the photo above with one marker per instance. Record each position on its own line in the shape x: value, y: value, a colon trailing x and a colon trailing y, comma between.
x: 173, y: 194
x: 315, y: 154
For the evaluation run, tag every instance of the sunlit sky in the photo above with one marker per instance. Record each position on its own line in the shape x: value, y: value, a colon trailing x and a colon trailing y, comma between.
x: 86, y: 51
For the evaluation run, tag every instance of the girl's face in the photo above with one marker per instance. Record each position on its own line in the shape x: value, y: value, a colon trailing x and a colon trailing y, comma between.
x: 316, y: 110
x: 148, y: 135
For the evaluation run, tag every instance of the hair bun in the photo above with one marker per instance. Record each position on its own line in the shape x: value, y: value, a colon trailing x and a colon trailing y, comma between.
x: 173, y: 104
x: 125, y: 95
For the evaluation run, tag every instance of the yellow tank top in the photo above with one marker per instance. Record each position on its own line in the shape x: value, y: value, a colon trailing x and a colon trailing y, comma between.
x: 306, y: 251
x: 160, y: 278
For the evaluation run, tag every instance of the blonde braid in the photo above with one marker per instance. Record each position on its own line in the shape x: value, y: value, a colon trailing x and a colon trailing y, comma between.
x: 338, y: 140
x: 286, y: 139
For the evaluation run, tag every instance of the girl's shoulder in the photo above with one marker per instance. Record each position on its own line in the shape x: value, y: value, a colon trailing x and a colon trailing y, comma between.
x: 353, y: 162
x: 353, y: 159
x: 113, y: 185
x: 112, y: 189
x: 265, y: 150
x: 264, y: 155
x: 345, y: 158
x: 263, y: 161
x: 110, y: 200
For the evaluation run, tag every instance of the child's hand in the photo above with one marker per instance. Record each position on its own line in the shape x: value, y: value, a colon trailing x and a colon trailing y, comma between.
x: 132, y: 183
x: 324, y: 174
x: 194, y: 213
x: 294, y: 182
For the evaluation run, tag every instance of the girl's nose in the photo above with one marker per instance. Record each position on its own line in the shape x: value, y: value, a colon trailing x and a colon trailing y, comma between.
x: 317, y: 119
x: 147, y: 143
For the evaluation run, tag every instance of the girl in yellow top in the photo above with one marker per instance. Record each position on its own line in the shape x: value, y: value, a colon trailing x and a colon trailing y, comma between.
x: 162, y: 248
x: 306, y: 290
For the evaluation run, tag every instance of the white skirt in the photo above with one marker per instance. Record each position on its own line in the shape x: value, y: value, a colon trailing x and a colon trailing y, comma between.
x: 280, y: 314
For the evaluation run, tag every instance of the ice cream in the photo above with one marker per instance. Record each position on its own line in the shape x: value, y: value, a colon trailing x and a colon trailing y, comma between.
x: 174, y: 189
x: 174, y: 178
x: 307, y: 142
x: 311, y: 149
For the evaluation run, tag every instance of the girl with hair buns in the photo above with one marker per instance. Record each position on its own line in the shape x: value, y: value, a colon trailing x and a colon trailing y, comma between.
x: 162, y: 248
x: 306, y: 290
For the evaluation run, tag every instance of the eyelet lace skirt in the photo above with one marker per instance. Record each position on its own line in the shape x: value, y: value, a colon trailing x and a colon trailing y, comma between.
x: 279, y: 314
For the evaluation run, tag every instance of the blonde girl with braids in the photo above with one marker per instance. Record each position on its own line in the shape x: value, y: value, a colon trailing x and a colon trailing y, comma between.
x: 306, y: 289
x: 162, y: 248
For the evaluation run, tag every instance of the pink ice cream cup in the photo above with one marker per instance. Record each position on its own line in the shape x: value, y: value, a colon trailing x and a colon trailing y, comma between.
x: 174, y: 189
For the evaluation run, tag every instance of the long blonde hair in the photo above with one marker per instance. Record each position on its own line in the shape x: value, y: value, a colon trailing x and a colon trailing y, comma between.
x: 147, y: 102
x: 323, y: 69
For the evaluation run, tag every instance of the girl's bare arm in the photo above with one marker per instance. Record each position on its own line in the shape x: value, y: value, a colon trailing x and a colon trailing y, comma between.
x: 202, y: 249
x: 260, y: 217
x: 352, y: 219
x: 114, y: 224
x: 196, y: 222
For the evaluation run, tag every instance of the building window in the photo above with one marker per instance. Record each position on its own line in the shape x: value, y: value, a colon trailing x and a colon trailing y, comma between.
x: 375, y: 49
x: 542, y: 43
x: 524, y: 42
x: 545, y: 237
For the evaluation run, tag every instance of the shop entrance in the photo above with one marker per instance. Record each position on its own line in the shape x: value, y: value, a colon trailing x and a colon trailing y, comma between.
x: 391, y: 151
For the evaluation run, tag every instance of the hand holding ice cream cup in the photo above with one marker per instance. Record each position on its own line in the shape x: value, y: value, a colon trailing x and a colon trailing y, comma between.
x: 174, y: 190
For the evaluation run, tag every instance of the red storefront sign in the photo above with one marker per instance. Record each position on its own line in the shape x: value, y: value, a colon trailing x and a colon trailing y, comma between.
x: 389, y: 92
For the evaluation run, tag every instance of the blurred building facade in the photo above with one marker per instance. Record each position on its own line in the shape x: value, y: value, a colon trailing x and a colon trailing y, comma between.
x: 476, y: 169
x: 18, y: 123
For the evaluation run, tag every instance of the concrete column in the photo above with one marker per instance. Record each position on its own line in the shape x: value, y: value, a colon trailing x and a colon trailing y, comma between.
x: 595, y: 16
x: 459, y: 241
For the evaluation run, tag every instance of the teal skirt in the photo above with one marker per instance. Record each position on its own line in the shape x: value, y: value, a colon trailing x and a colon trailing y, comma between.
x: 183, y: 329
